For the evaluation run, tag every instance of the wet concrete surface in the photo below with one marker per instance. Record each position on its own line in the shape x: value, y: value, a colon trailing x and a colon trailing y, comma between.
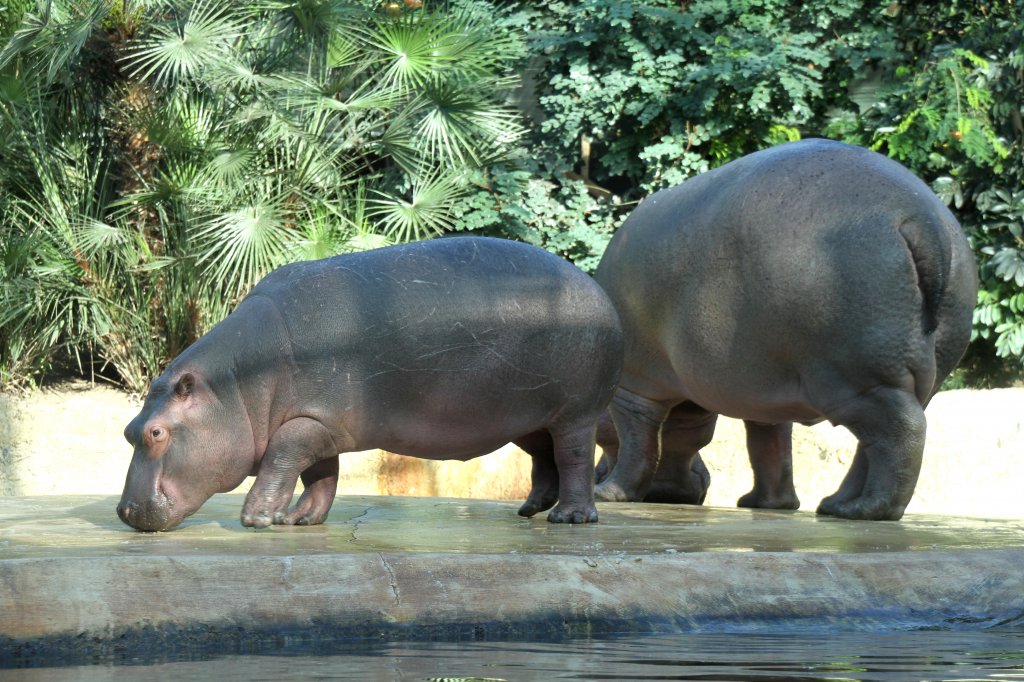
x: 75, y: 582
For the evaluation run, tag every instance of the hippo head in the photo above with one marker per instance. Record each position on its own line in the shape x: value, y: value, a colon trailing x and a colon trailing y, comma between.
x: 190, y: 442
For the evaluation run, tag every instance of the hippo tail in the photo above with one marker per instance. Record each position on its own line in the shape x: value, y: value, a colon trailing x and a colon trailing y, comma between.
x: 931, y: 251
x: 948, y: 281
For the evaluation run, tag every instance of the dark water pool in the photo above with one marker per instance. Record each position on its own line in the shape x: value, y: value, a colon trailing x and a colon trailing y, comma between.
x: 834, y: 656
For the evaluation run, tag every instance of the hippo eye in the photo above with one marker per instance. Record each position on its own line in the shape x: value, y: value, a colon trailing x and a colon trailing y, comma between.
x: 157, y: 433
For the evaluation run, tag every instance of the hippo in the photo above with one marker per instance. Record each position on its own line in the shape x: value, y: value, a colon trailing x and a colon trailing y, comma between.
x: 442, y: 349
x: 810, y: 281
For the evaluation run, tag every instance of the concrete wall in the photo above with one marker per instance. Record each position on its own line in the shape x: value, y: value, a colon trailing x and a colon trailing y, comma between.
x: 69, y: 441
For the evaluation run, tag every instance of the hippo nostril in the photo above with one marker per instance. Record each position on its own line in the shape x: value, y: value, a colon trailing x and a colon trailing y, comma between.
x: 128, y: 512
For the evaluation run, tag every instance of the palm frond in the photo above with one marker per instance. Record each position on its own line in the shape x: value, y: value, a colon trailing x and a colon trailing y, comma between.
x: 426, y: 212
x: 423, y: 48
x: 239, y: 246
x: 93, y: 237
x: 415, y: 49
x: 313, y: 20
x: 230, y: 166
x: 460, y: 127
x: 52, y: 39
x: 186, y: 45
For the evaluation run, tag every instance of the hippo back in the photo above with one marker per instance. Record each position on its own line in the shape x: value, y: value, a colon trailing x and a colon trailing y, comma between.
x: 447, y: 335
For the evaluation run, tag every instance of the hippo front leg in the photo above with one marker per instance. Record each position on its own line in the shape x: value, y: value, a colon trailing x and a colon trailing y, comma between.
x: 890, y: 426
x: 682, y: 477
x: 770, y: 449
x: 298, y: 445
x: 638, y: 424
x: 320, y: 484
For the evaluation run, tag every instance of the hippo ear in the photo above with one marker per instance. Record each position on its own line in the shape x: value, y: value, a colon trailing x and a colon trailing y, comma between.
x: 186, y: 383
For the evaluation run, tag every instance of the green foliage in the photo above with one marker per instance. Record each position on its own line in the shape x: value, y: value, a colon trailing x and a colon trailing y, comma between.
x: 635, y: 96
x: 161, y: 157
x: 952, y: 112
x: 11, y: 13
x: 631, y: 97
x: 562, y: 217
x: 661, y: 94
x: 158, y: 156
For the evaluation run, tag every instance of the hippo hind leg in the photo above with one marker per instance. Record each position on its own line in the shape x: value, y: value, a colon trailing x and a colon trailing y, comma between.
x: 573, y: 446
x: 544, y: 477
x: 563, y: 470
x: 638, y: 423
x: 890, y: 426
x: 770, y: 449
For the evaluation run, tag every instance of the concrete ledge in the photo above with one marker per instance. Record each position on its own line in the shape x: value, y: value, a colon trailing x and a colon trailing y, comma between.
x: 76, y: 585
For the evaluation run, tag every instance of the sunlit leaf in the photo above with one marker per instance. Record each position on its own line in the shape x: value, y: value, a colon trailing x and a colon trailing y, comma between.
x: 425, y: 212
x: 186, y: 45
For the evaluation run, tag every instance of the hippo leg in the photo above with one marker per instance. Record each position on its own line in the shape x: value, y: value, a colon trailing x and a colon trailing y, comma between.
x: 638, y: 423
x: 770, y: 449
x: 574, y: 457
x: 890, y: 426
x: 853, y: 482
x: 320, y: 484
x: 544, y: 477
x: 297, y: 445
x: 682, y: 477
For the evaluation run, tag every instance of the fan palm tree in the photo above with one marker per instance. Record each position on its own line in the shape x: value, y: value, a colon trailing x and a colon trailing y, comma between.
x: 222, y: 140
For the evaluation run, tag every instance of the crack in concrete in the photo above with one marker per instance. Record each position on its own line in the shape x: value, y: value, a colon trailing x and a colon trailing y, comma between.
x: 391, y: 579
x: 356, y: 521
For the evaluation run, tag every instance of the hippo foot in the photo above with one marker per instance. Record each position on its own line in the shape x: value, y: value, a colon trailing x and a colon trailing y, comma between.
x: 532, y: 506
x: 860, y: 508
x: 299, y: 516
x: 674, y: 492
x: 561, y: 514
x: 756, y: 500
x: 311, y: 509
x: 304, y: 519
x: 609, y: 491
x: 261, y: 519
x: 257, y: 513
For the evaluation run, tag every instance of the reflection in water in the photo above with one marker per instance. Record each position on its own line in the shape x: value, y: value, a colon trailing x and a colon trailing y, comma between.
x: 835, y: 656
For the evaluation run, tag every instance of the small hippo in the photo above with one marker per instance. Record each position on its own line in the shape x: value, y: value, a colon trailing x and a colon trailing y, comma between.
x: 810, y: 281
x: 444, y: 349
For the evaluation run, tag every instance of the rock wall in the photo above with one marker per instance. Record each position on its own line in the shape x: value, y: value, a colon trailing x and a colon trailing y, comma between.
x: 69, y: 441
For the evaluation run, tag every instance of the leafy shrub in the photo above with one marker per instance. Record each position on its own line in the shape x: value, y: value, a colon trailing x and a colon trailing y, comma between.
x: 952, y: 112
x: 156, y: 158
x: 638, y: 95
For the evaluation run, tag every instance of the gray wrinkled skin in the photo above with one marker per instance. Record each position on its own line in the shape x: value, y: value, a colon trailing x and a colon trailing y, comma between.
x: 444, y: 349
x: 810, y: 281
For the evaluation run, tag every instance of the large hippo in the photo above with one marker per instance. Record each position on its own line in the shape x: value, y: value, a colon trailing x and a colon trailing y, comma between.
x: 444, y: 349
x: 810, y: 281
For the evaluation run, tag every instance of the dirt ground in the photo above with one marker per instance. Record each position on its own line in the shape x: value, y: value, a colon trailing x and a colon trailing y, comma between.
x: 68, y: 440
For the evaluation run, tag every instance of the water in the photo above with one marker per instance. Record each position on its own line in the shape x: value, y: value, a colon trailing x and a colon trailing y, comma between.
x: 757, y: 657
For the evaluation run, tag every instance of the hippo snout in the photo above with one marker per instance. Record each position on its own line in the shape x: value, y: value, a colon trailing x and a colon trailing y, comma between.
x: 149, y: 515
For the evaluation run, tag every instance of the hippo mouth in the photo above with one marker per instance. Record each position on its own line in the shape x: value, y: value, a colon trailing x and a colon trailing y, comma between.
x: 158, y: 512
